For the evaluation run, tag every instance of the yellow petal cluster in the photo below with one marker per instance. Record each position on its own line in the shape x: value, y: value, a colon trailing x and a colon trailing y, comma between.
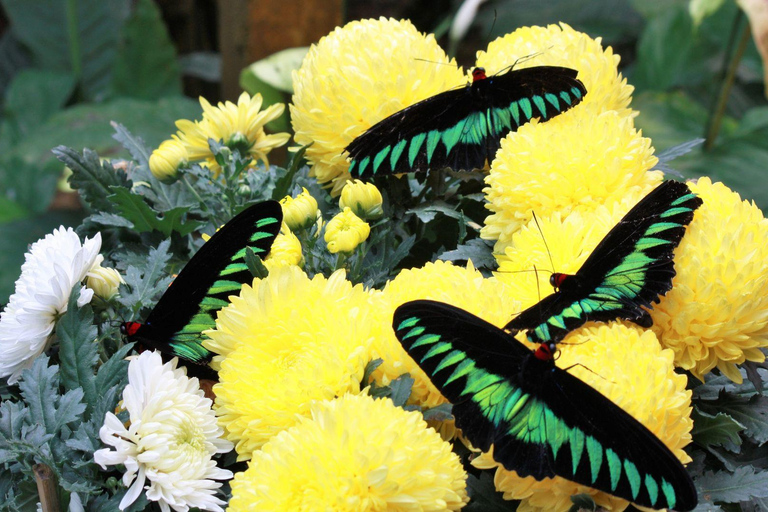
x: 356, y: 76
x: 560, y: 45
x: 165, y: 161
x: 240, y: 126
x: 345, y: 231
x: 283, y: 343
x: 299, y: 212
x: 285, y: 250
x: 631, y: 368
x: 716, y: 314
x: 442, y: 281
x: 578, y: 160
x: 363, y: 198
x: 354, y: 454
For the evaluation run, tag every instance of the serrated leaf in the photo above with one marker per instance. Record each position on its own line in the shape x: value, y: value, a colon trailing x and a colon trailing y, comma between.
x: 401, y: 389
x: 134, y: 208
x: 38, y: 385
x: 110, y: 219
x: 146, y: 65
x: 427, y: 212
x: 719, y: 430
x: 115, y: 371
x: 13, y: 416
x: 283, y: 184
x: 369, y: 369
x: 143, y: 285
x: 679, y: 150
x: 752, y: 412
x: 443, y: 412
x: 78, y: 351
x: 92, y: 178
x: 741, y: 485
x: 134, y: 145
x: 255, y: 264
x: 479, y: 251
x: 483, y: 496
x: 755, y: 372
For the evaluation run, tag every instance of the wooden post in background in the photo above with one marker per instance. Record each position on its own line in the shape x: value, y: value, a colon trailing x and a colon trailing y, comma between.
x: 250, y: 30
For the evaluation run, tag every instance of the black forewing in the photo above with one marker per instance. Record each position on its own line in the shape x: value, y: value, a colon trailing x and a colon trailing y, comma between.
x: 538, y: 418
x: 202, y: 287
x: 628, y: 270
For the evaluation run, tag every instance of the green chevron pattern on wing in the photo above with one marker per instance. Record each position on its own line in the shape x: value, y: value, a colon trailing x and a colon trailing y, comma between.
x: 509, y: 410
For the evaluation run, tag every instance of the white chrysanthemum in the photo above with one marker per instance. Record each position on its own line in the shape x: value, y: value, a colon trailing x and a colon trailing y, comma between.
x: 170, y: 440
x: 53, y: 266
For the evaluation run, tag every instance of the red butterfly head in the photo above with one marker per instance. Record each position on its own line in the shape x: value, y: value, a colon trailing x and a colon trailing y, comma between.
x: 478, y: 74
x: 546, y: 351
x: 557, y: 279
x: 130, y: 328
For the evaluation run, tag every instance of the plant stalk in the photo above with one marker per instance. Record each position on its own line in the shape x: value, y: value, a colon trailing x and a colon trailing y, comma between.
x: 74, y: 40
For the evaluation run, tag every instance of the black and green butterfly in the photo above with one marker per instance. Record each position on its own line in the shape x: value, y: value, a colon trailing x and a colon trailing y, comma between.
x: 462, y: 128
x: 189, y: 305
x: 628, y: 270
x: 541, y: 420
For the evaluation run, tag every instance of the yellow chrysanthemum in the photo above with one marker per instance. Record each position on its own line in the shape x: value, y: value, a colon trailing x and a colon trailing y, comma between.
x: 285, y: 342
x: 345, y: 232
x: 570, y: 240
x: 560, y: 45
x: 631, y: 368
x: 575, y: 161
x: 286, y: 250
x: 355, y: 454
x: 299, y: 212
x: 363, y: 198
x: 165, y: 161
x: 240, y: 126
x: 717, y: 311
x: 442, y: 281
x: 355, y: 77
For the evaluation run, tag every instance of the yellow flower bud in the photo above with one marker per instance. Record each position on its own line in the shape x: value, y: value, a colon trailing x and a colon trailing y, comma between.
x: 299, y: 212
x: 345, y: 232
x: 104, y: 281
x: 166, y: 159
x: 286, y: 250
x: 363, y: 198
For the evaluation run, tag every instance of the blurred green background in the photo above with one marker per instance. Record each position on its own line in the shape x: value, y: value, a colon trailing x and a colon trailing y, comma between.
x: 69, y: 67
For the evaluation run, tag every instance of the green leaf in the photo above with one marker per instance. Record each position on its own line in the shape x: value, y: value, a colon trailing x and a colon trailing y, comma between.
x: 750, y: 412
x: 146, y: 65
x: 442, y: 412
x: 78, y: 351
x: 479, y: 251
x: 93, y: 179
x: 134, y: 145
x: 719, y: 430
x: 39, y: 387
x: 369, y: 369
x: 135, y: 209
x: 88, y: 51
x: 110, y: 219
x: 401, y: 389
x: 582, y: 502
x: 483, y: 496
x: 144, y: 284
x: 276, y: 70
x: 31, y: 187
x: 283, y: 184
x: 700, y: 9
x: 255, y: 264
x: 426, y: 212
x: 670, y: 119
x: 13, y: 58
x: 33, y: 96
x: 114, y: 372
x: 741, y: 485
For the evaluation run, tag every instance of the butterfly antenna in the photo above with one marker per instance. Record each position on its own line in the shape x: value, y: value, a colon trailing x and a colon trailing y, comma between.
x: 590, y: 371
x: 536, y: 220
x: 490, y: 30
x: 538, y: 287
x: 436, y: 62
x: 530, y: 56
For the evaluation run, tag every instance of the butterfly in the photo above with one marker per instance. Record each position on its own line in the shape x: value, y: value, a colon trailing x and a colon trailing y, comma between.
x: 628, y: 271
x: 462, y: 128
x: 541, y: 420
x: 188, y: 307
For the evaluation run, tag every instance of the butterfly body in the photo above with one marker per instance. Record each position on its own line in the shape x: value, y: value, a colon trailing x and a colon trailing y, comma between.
x: 629, y: 270
x: 188, y: 307
x: 541, y: 420
x: 462, y: 128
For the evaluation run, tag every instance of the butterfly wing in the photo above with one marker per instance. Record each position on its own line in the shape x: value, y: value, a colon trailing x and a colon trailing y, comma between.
x: 541, y: 420
x: 628, y: 270
x: 462, y: 128
x: 203, y: 286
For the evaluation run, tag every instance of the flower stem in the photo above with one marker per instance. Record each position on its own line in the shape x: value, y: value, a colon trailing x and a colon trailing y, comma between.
x: 717, y: 114
x: 74, y: 41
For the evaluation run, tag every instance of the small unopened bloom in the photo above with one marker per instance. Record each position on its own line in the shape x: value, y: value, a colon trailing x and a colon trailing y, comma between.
x: 104, y: 282
x: 345, y: 232
x: 167, y: 158
x: 363, y: 198
x: 299, y: 212
x: 286, y: 250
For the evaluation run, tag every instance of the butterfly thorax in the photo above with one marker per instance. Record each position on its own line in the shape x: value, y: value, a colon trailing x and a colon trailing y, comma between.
x: 478, y: 74
x: 130, y: 328
x: 564, y: 282
x: 546, y: 351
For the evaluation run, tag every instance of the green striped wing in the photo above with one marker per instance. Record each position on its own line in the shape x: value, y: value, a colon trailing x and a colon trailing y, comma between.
x: 462, y: 128
x: 204, y: 285
x: 628, y: 270
x: 541, y: 420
